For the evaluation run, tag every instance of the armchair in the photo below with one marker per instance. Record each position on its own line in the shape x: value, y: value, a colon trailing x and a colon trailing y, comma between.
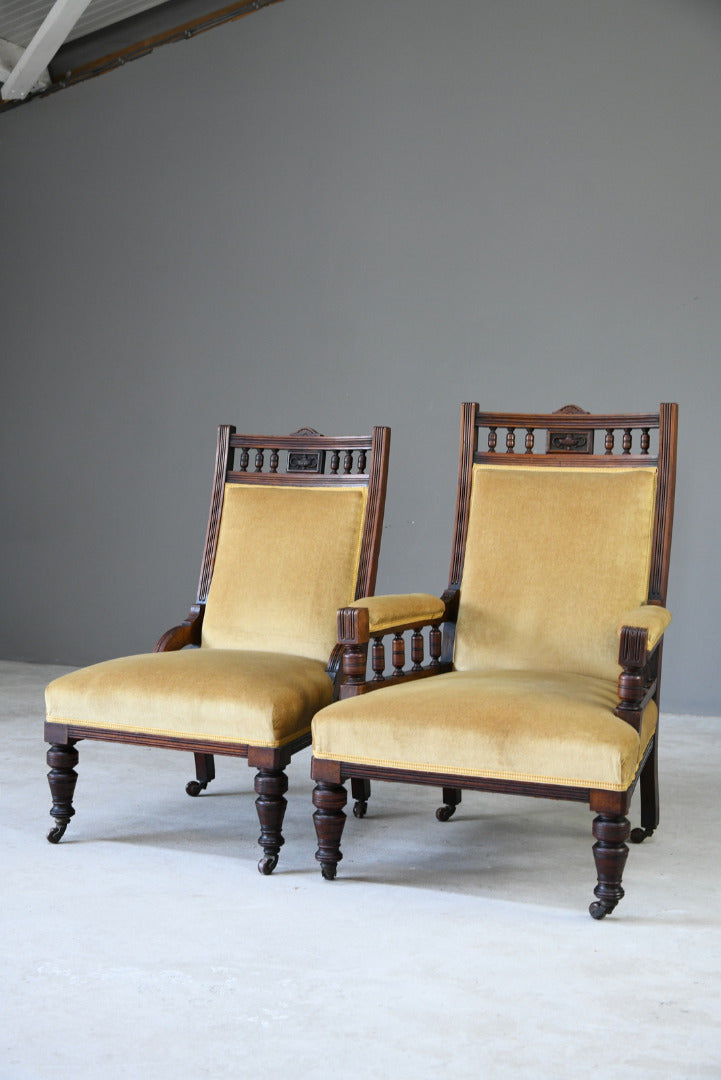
x: 293, y: 533
x: 544, y: 679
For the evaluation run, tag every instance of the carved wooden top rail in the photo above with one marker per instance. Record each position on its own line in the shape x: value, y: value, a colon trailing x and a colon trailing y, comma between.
x: 306, y: 457
x: 570, y: 438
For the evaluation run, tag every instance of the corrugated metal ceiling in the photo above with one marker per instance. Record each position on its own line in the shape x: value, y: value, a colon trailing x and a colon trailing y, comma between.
x: 19, y: 19
x: 47, y: 45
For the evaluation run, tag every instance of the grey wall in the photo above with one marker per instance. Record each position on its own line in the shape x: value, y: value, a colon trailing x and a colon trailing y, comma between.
x: 340, y: 213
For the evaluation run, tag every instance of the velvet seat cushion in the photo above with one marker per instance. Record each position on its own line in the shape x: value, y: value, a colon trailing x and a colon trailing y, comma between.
x: 528, y: 726
x: 229, y: 695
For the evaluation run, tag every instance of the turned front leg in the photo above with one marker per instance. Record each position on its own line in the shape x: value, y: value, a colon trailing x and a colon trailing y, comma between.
x: 271, y: 785
x: 610, y: 853
x: 62, y: 778
x: 329, y: 819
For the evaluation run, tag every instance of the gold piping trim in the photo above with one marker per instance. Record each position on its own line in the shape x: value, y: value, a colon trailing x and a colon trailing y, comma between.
x: 521, y: 777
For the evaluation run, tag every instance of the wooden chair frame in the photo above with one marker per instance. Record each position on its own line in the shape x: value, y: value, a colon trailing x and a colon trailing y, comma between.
x: 303, y: 459
x: 571, y: 433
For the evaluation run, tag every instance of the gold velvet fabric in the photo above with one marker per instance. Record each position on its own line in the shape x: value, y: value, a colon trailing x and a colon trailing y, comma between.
x: 651, y: 617
x: 554, y: 557
x: 256, y: 698
x: 528, y: 726
x: 397, y: 609
x: 287, y: 559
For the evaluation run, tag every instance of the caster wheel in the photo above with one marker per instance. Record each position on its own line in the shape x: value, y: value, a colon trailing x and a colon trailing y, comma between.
x: 639, y: 835
x: 268, y: 864
x: 359, y: 808
x: 194, y: 787
x: 56, y: 834
x: 328, y: 870
x: 598, y: 910
x: 445, y: 813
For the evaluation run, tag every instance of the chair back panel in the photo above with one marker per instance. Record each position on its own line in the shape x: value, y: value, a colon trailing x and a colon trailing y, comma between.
x: 554, y: 557
x: 287, y: 558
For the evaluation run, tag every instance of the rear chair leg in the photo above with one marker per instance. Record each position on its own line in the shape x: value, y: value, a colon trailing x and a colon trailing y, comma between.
x: 451, y: 799
x: 204, y: 771
x: 62, y: 779
x: 610, y: 853
x: 329, y: 819
x: 649, y: 799
x: 360, y: 791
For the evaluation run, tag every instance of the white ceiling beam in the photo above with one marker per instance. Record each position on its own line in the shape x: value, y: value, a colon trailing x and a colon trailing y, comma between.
x: 10, y: 53
x: 52, y: 32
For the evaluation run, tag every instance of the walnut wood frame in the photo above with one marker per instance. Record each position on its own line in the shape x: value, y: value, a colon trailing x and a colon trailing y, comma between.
x: 572, y: 441
x: 247, y: 459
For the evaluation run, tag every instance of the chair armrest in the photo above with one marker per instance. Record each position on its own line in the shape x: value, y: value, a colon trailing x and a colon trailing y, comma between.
x: 186, y: 633
x: 375, y: 616
x: 388, y: 614
x: 640, y: 631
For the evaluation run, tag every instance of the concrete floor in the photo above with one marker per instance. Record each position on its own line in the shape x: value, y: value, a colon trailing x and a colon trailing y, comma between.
x: 146, y: 944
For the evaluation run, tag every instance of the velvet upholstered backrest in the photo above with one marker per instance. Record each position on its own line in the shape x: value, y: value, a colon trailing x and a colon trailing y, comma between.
x: 287, y: 559
x: 555, y: 546
x: 554, y: 559
x: 293, y: 534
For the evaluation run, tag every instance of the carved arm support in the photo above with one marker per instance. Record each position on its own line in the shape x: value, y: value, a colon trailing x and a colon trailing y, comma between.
x: 641, y: 632
x: 186, y: 633
x: 377, y: 616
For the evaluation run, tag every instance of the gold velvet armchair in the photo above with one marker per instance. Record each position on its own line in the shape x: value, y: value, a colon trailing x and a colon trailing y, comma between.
x: 293, y: 533
x: 545, y: 678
